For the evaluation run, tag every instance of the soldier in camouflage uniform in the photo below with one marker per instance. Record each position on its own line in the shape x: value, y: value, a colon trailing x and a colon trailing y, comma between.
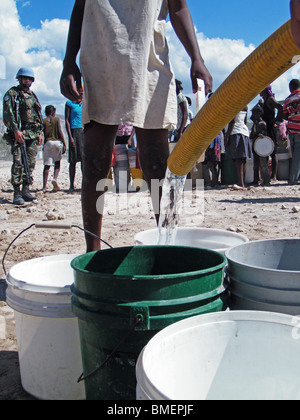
x: 22, y: 117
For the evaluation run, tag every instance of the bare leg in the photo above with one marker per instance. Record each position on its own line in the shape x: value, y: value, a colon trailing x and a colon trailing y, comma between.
x: 56, y: 170
x: 45, y: 177
x: 244, y: 173
x: 153, y: 154
x: 274, y: 166
x: 72, y: 172
x: 240, y: 168
x: 97, y: 153
x: 55, y: 175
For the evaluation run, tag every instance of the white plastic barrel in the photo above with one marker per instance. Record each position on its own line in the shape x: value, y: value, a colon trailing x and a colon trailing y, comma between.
x: 238, y: 355
x: 214, y: 239
x: 47, y: 330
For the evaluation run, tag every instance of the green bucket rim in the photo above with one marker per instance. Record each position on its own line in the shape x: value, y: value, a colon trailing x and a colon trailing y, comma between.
x: 151, y: 277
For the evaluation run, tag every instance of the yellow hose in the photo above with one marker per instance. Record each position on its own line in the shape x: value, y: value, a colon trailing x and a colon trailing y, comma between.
x: 269, y: 61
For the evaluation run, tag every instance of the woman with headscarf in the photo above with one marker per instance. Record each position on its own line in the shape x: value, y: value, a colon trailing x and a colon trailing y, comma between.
x: 270, y: 105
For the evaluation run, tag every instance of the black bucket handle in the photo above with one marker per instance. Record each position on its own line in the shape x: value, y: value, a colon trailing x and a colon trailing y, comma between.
x: 82, y: 377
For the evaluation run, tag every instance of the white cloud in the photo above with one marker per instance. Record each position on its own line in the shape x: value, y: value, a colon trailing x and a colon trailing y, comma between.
x: 221, y: 57
x: 43, y: 50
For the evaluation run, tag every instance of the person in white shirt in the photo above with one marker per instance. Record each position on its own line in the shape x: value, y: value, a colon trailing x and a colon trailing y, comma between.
x: 238, y: 145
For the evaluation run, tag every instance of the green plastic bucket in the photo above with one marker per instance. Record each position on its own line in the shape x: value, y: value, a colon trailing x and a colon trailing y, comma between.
x: 124, y: 296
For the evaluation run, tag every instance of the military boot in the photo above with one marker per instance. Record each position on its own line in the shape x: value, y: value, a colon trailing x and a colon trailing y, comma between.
x: 26, y: 194
x: 18, y: 199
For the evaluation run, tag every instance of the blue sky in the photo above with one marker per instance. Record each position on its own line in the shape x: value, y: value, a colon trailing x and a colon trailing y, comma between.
x: 34, y: 32
x: 32, y: 12
x: 216, y: 18
x: 253, y: 21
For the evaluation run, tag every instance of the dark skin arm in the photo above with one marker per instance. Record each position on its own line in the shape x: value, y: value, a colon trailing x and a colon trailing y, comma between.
x: 68, y: 126
x: 70, y: 81
x: 229, y: 131
x: 184, y: 110
x: 273, y: 104
x: 182, y: 23
x: 61, y: 136
x: 295, y: 20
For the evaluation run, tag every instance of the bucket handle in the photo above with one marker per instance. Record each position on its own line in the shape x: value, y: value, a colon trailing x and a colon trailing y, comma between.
x: 49, y: 225
x: 82, y: 377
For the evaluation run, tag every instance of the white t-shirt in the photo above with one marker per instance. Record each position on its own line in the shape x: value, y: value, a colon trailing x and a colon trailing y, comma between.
x: 181, y: 98
x: 239, y: 124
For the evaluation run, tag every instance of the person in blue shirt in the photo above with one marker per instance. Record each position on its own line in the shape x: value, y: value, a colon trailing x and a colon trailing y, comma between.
x: 73, y: 116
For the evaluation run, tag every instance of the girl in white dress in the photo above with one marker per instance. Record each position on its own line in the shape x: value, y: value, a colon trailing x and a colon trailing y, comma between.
x: 128, y: 79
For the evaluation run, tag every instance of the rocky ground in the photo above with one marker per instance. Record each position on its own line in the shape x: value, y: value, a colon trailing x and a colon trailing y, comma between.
x: 258, y: 213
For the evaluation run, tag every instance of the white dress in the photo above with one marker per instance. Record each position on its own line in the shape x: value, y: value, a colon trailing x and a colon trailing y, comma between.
x: 125, y: 64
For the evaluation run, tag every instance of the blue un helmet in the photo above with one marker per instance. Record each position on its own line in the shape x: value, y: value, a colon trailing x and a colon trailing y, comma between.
x: 25, y: 72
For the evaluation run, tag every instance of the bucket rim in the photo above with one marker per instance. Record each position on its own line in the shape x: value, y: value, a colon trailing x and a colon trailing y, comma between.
x: 224, y: 316
x: 218, y: 267
x: 270, y: 306
x: 146, y: 384
x: 14, y: 281
x: 263, y: 269
x: 198, y: 229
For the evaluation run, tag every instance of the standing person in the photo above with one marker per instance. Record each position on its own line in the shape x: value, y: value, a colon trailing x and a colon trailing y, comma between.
x: 237, y: 144
x: 291, y: 111
x: 23, y: 119
x: 295, y: 20
x: 73, y: 118
x: 182, y: 112
x: 259, y: 128
x: 212, y: 162
x: 190, y: 112
x: 54, y: 146
x: 134, y: 86
x: 270, y: 106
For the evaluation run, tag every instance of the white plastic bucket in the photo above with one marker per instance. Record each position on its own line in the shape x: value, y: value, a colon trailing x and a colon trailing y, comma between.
x: 283, y: 171
x: 47, y: 330
x: 265, y: 276
x: 214, y: 239
x: 239, y: 355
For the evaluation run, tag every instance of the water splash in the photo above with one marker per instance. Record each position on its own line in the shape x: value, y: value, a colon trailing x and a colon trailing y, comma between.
x: 170, y: 208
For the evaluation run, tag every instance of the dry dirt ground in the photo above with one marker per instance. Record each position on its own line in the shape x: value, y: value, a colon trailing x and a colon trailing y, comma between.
x: 258, y: 213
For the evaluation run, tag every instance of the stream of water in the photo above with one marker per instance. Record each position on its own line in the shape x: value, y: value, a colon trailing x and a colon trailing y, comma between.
x: 170, y: 208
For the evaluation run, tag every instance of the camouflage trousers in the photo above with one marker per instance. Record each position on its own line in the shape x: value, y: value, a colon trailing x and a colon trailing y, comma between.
x: 18, y: 175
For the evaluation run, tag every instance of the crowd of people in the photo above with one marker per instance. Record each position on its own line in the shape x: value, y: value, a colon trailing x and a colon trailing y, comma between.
x: 274, y: 128
x: 135, y: 87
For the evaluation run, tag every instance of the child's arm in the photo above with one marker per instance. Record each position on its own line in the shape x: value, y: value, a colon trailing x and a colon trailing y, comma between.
x: 295, y: 14
x: 183, y: 25
x: 71, y: 77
